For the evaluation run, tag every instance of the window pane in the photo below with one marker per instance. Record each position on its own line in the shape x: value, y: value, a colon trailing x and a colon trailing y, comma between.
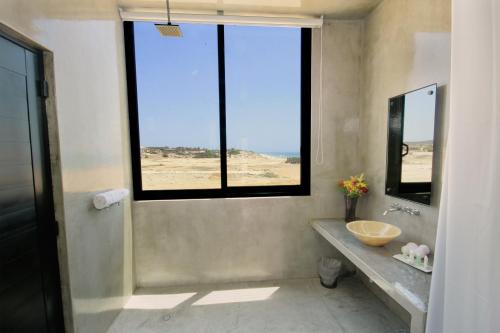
x: 178, y: 98
x: 263, y: 105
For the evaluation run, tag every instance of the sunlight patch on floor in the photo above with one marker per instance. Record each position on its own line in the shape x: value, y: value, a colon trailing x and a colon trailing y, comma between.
x: 157, y: 302
x: 236, y: 296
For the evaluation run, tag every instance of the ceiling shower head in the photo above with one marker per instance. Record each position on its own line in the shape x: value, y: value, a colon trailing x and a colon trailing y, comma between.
x: 169, y: 29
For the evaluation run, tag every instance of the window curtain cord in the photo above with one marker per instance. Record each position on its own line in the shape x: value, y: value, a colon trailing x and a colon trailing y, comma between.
x: 319, y: 143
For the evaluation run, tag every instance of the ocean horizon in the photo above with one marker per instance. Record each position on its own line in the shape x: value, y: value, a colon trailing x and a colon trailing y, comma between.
x: 280, y: 153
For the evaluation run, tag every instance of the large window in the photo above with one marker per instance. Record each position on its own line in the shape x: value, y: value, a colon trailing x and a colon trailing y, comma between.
x: 223, y: 111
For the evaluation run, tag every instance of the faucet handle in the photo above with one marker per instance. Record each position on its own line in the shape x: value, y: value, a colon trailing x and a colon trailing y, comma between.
x: 411, y: 211
x: 415, y: 211
x: 397, y: 207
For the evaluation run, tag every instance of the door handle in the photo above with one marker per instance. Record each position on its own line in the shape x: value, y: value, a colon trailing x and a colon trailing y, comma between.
x: 404, y: 153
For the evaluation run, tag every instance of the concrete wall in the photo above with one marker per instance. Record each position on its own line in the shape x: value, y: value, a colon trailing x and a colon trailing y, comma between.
x: 89, y: 153
x: 202, y: 241
x: 406, y: 46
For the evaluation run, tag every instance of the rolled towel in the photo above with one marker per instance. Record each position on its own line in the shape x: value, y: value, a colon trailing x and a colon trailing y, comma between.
x: 106, y: 199
x: 424, y: 249
x: 411, y: 246
x: 420, y: 252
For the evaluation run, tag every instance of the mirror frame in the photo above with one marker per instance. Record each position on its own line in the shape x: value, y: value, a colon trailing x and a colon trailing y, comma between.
x: 417, y: 192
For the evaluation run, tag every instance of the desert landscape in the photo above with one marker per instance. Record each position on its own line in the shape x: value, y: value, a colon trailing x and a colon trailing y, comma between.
x: 165, y: 168
x: 417, y: 165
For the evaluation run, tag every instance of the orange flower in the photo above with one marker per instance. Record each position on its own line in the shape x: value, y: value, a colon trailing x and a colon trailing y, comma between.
x: 354, y: 187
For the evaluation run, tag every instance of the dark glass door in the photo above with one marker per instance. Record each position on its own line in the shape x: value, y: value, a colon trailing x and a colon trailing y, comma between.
x: 29, y: 277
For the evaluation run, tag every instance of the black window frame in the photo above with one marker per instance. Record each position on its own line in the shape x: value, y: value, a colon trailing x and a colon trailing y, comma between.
x: 303, y: 189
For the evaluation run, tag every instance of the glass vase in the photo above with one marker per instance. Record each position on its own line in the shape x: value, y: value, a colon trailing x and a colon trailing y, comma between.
x: 350, y: 208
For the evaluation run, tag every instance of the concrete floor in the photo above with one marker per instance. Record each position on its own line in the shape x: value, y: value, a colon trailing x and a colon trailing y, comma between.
x: 301, y: 305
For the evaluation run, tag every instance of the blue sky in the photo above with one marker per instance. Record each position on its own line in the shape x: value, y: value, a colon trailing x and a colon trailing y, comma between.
x: 419, y: 115
x: 177, y: 83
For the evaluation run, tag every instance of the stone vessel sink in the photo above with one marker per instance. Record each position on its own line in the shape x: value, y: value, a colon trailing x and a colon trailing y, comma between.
x: 373, y: 233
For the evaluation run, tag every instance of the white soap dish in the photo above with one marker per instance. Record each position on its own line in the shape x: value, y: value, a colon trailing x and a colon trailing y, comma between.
x: 412, y: 263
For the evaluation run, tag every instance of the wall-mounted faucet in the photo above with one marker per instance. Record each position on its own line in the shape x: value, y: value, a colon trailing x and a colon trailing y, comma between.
x: 395, y: 207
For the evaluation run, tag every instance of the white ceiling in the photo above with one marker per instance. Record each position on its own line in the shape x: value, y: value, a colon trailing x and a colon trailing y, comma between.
x: 329, y: 8
x: 107, y: 9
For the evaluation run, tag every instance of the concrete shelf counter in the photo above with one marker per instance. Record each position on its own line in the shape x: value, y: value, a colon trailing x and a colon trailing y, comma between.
x: 406, y: 285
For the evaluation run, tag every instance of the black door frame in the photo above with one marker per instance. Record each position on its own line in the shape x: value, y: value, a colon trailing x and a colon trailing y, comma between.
x: 44, y: 195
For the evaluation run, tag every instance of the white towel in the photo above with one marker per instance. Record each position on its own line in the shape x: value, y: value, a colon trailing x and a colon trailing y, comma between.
x: 106, y: 199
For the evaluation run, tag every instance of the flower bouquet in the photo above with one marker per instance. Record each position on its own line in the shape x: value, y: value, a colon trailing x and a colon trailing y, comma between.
x: 353, y: 188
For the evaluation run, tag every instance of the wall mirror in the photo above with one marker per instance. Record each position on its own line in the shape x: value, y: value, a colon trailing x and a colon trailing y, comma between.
x: 410, y: 144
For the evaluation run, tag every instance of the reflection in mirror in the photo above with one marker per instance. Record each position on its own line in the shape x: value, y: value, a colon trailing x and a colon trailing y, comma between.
x: 411, y: 144
x: 418, y: 135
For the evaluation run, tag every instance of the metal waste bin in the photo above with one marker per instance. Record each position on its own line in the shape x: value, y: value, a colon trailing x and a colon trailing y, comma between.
x: 329, y: 271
